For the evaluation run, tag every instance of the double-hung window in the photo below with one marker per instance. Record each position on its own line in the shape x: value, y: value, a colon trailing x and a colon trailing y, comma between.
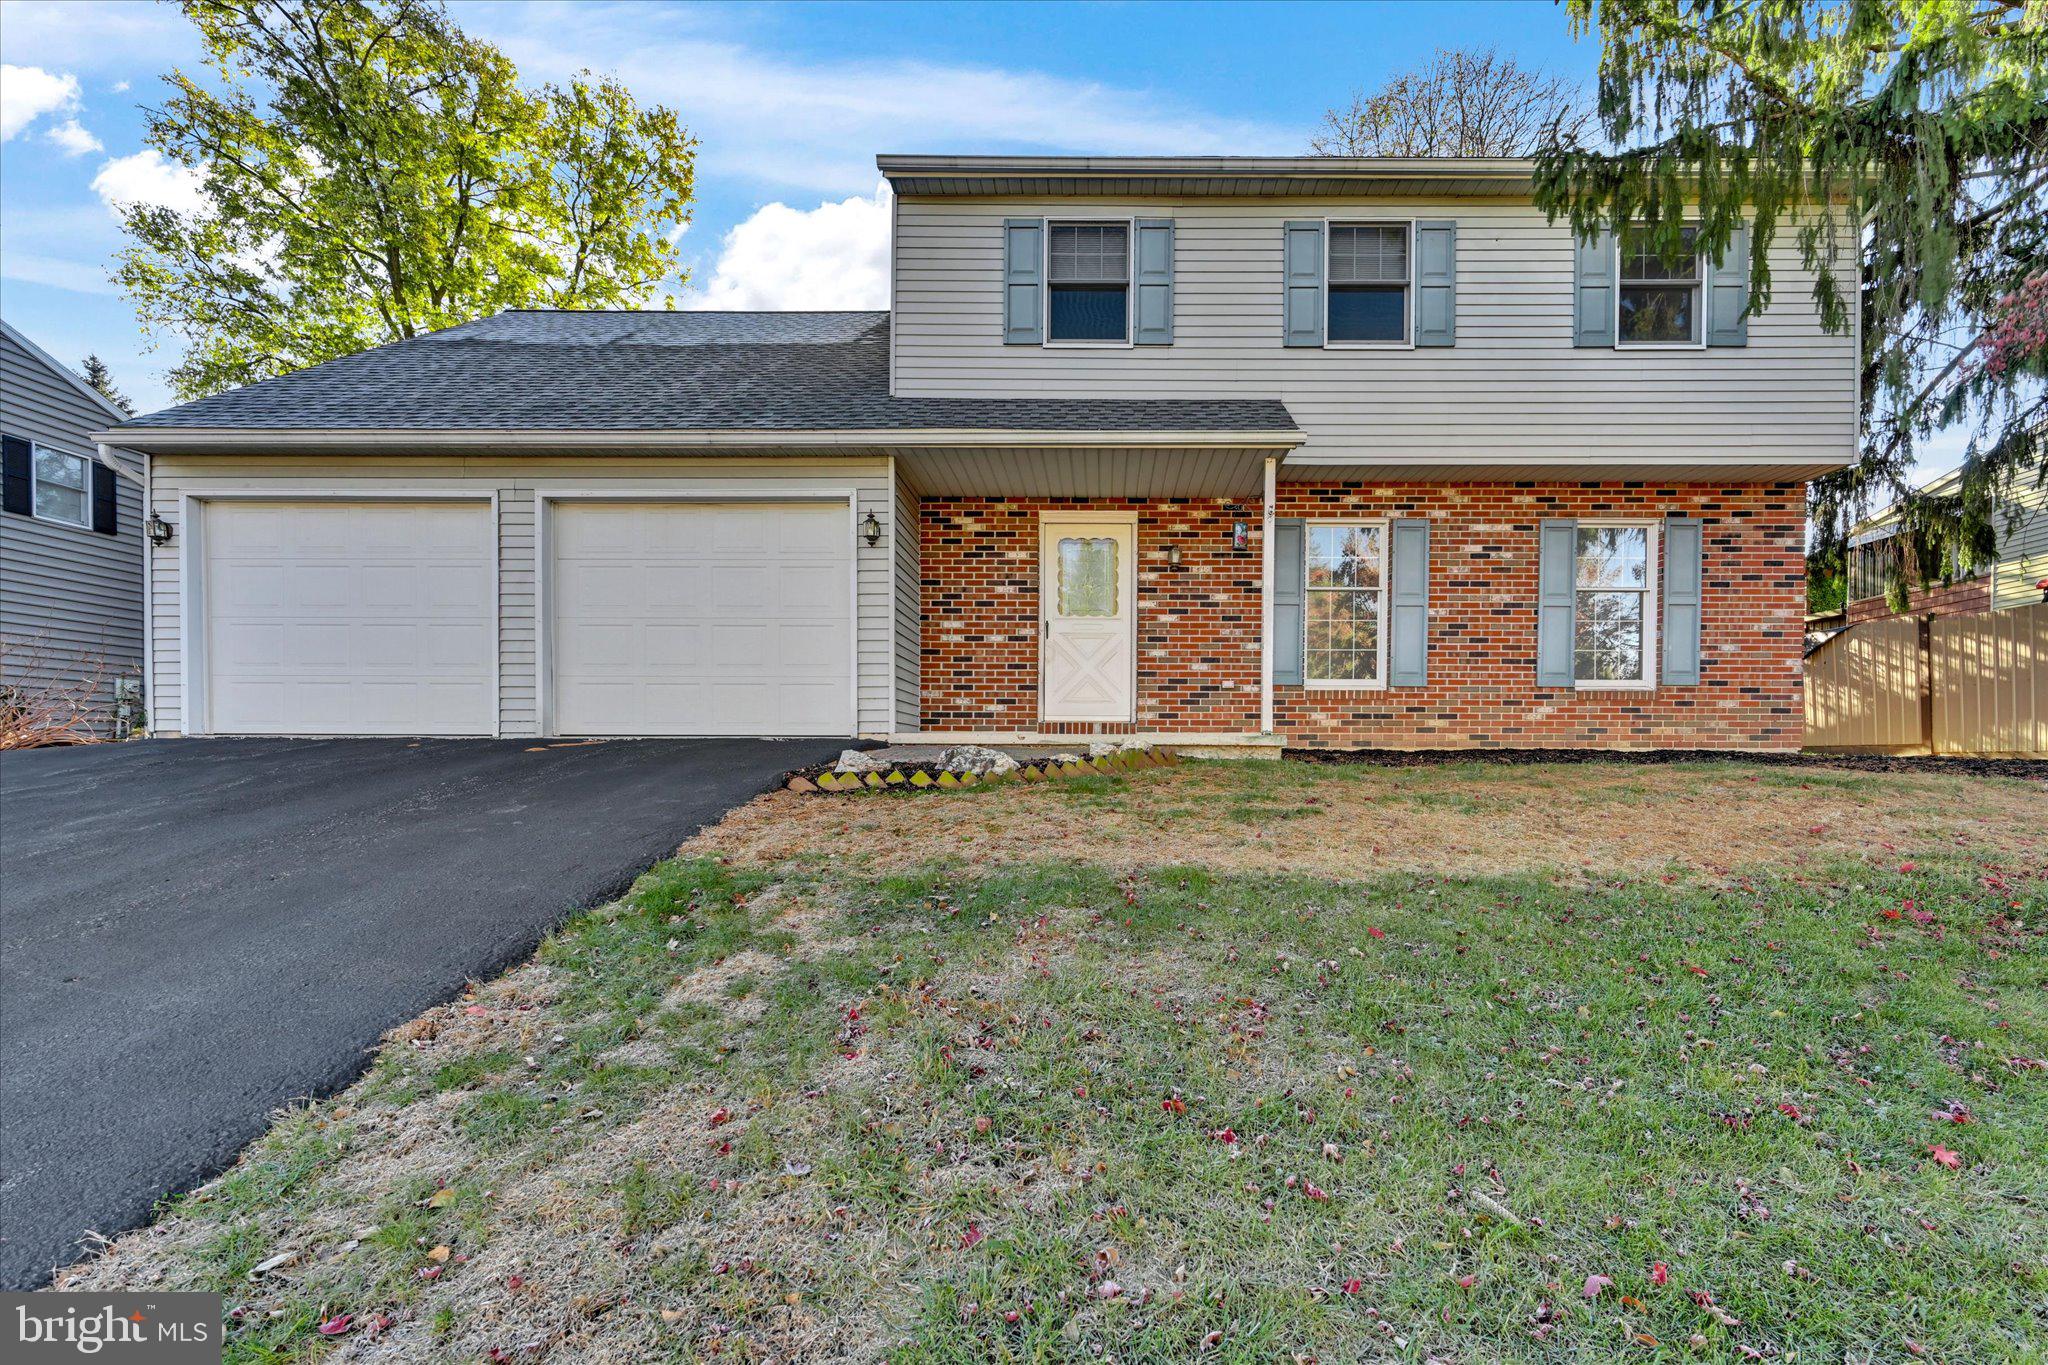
x: 1344, y: 611
x: 1088, y: 282
x: 1614, y: 583
x: 1659, y: 299
x: 1369, y: 282
x: 63, y: 487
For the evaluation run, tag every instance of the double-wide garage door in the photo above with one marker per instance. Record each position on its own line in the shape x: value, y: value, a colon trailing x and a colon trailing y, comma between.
x: 334, y: 617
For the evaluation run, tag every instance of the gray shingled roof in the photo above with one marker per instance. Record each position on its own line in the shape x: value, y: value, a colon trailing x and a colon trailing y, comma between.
x: 624, y: 371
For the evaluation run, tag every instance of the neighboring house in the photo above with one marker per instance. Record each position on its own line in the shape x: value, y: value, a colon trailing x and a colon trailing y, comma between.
x: 2012, y: 579
x: 1221, y: 451
x: 70, y: 542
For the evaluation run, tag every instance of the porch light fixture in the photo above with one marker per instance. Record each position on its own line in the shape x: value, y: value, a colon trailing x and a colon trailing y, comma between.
x: 871, y: 530
x: 157, y: 529
x: 1173, y: 554
x: 1240, y: 535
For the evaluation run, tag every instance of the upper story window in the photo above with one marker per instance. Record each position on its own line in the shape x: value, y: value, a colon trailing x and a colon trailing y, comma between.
x: 1345, y: 603
x: 1368, y: 282
x: 1614, y: 583
x: 1659, y: 302
x: 1088, y: 282
x: 63, y: 487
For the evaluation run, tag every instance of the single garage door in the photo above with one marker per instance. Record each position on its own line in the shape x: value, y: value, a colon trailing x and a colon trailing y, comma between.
x: 700, y: 618
x: 349, y: 618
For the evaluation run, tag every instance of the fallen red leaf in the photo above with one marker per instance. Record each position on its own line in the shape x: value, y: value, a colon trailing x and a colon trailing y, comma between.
x: 1943, y: 1156
x: 1659, y: 1273
x: 335, y: 1326
x: 1594, y: 1284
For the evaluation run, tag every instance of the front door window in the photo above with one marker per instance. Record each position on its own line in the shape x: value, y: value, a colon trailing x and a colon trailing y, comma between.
x: 1087, y: 576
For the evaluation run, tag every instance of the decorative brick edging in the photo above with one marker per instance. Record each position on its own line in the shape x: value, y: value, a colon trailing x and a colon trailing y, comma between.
x: 926, y: 779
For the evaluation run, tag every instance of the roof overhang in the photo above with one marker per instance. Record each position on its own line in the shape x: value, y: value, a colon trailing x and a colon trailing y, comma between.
x: 1228, y: 176
x: 1532, y: 466
x: 344, y: 441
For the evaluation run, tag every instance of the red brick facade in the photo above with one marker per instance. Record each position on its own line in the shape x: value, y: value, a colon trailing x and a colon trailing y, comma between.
x: 1198, y: 622
x: 1955, y: 599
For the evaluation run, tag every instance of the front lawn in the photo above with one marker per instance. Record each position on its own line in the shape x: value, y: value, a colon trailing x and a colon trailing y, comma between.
x: 877, y: 1080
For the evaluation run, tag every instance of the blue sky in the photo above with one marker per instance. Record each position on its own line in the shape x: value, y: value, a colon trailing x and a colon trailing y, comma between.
x: 791, y: 103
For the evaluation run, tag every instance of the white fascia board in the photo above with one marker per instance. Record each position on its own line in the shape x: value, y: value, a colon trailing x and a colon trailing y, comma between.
x: 169, y: 440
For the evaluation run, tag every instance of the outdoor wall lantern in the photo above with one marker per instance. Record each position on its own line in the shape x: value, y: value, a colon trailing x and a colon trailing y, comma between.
x: 1173, y: 554
x: 158, y: 530
x: 871, y: 530
x: 1240, y: 535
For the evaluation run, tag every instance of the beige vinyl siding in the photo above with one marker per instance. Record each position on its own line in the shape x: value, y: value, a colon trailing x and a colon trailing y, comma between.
x: 516, y: 482
x: 903, y: 538
x: 1513, y: 384
x: 70, y: 597
x: 2023, y: 549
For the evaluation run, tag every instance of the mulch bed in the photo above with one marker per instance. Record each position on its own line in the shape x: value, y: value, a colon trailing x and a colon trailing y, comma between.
x: 1923, y: 764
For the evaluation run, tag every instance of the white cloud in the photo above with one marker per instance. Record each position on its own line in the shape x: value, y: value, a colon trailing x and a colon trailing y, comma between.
x: 29, y: 92
x: 782, y: 259
x: 817, y: 125
x: 73, y: 138
x: 148, y: 177
x: 57, y: 273
x: 120, y: 87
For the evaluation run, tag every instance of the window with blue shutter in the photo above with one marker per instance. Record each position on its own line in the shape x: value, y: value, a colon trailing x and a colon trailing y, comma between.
x: 1288, y: 571
x: 1728, y: 294
x: 1593, y: 290
x: 1023, y: 281
x: 1556, y: 625
x: 1152, y: 267
x: 1408, y: 613
x: 1301, y: 269
x: 1683, y: 551
x: 1436, y: 283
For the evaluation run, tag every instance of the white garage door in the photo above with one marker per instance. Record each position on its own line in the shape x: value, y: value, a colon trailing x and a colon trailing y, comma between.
x: 349, y: 618
x: 677, y: 618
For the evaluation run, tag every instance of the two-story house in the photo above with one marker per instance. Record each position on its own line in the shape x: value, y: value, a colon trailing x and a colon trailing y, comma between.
x: 1221, y: 451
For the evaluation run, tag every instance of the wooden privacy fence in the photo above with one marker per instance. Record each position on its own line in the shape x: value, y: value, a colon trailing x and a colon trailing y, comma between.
x: 1974, y: 684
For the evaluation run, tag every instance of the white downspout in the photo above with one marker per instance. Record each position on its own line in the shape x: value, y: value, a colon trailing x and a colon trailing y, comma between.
x: 1266, y: 596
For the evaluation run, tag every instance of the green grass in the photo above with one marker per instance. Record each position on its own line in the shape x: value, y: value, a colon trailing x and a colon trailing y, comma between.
x: 1529, y: 1080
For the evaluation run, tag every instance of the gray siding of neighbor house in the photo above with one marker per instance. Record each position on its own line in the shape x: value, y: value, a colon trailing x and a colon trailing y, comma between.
x: 1512, y: 385
x: 2022, y: 548
x: 516, y: 482
x: 70, y: 597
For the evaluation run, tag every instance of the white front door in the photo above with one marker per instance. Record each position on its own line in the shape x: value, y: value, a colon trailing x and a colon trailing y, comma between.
x: 700, y: 618
x: 1087, y: 578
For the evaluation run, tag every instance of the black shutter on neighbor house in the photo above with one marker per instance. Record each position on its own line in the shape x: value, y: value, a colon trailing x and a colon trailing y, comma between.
x: 106, y: 509
x: 15, y: 476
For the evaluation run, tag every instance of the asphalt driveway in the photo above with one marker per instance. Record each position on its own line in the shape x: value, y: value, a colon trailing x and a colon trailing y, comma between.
x: 194, y: 932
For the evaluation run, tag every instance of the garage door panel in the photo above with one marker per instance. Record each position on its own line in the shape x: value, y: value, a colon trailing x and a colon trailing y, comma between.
x: 349, y: 618
x: 700, y: 618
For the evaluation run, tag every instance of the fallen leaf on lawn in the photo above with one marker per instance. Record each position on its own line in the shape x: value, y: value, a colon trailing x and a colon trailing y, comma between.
x: 335, y: 1326
x: 439, y: 1253
x: 1659, y: 1273
x: 1594, y: 1284
x: 441, y: 1198
x: 972, y: 1237
x: 1944, y: 1157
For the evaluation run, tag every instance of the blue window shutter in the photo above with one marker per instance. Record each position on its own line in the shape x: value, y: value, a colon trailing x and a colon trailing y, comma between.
x: 1289, y: 568
x: 1682, y: 546
x: 1728, y: 294
x: 1593, y: 278
x: 1301, y: 268
x: 1556, y: 603
x: 1153, y: 279
x: 1408, y: 619
x: 1023, y: 281
x: 1436, y: 283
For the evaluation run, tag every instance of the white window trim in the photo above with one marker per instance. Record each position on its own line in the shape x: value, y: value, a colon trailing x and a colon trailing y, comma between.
x: 1652, y: 549
x: 1699, y: 312
x: 35, y: 486
x: 1377, y: 683
x: 1130, y: 226
x: 1407, y: 342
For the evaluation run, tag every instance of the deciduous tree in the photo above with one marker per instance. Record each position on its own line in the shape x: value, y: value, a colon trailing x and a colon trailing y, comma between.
x: 1459, y: 103
x: 367, y: 172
